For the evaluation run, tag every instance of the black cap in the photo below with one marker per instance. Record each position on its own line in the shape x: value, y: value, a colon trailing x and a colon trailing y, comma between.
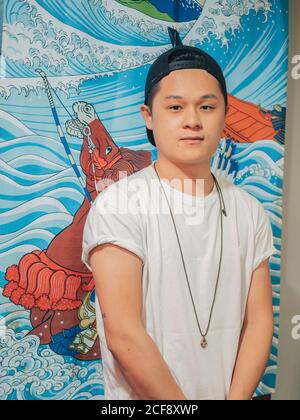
x: 163, y: 66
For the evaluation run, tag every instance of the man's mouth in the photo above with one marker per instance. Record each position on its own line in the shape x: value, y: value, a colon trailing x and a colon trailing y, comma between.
x: 193, y: 139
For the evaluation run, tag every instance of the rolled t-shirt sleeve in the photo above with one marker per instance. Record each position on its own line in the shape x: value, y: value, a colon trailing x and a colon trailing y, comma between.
x: 264, y: 241
x: 105, y: 223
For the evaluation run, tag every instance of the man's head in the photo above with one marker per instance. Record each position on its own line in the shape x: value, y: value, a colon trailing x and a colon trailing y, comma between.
x: 198, y: 108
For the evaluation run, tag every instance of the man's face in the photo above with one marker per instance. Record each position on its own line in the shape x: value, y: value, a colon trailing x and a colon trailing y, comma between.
x: 190, y: 115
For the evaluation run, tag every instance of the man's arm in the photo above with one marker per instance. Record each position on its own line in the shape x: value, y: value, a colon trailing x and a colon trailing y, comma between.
x: 256, y: 336
x: 118, y: 277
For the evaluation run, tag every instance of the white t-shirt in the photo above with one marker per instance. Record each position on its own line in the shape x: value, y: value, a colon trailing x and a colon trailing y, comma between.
x: 168, y: 314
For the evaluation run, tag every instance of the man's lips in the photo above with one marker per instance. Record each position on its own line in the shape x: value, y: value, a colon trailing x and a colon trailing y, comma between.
x: 193, y: 138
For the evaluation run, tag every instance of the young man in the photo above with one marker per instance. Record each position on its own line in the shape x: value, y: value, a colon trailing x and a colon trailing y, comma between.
x: 185, y: 302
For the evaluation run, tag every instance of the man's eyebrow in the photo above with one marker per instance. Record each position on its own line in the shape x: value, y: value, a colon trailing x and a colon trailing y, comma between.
x: 207, y: 96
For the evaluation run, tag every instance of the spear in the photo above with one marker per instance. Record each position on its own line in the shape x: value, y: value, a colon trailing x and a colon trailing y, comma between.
x: 61, y: 133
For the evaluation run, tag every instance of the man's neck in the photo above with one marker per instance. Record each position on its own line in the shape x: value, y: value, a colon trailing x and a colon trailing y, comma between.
x: 181, y: 172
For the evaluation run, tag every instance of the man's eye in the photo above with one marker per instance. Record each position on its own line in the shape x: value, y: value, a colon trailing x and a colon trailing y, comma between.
x: 205, y: 107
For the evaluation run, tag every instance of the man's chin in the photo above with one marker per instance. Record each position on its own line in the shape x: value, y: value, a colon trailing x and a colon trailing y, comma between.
x: 194, y: 160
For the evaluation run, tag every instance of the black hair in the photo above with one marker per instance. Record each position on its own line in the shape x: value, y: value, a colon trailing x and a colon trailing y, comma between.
x: 175, y: 57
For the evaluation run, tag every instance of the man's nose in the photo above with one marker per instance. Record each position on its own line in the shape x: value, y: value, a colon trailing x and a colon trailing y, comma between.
x: 192, y: 119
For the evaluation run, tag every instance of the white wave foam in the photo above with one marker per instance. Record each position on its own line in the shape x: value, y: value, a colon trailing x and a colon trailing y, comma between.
x: 265, y: 165
x: 219, y: 17
x: 25, y: 370
x: 39, y: 204
x: 40, y: 145
x: 14, y: 126
x: 45, y: 223
x: 139, y: 20
x: 15, y: 173
x: 28, y: 237
x: 42, y: 41
x: 57, y: 46
x: 36, y: 161
x: 13, y: 256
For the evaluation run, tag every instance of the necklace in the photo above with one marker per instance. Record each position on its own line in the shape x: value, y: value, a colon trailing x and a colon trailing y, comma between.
x: 203, y: 342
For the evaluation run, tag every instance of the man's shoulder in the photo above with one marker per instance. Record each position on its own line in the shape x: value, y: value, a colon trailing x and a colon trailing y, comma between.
x: 141, y: 175
x: 243, y: 197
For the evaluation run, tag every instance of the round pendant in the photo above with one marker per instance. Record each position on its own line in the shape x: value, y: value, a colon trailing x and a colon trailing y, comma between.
x: 203, y: 343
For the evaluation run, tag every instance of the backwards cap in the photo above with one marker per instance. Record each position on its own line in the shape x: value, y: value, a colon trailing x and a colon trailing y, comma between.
x: 163, y: 66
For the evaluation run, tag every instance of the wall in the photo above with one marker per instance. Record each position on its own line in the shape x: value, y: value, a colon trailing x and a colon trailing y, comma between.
x: 288, y: 381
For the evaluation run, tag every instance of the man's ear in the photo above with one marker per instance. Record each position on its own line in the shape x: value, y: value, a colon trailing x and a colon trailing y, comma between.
x: 227, y: 109
x: 224, y: 121
x: 226, y: 112
x: 146, y: 114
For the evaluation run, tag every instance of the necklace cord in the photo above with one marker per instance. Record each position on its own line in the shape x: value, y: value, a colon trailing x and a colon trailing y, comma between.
x: 222, y: 212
